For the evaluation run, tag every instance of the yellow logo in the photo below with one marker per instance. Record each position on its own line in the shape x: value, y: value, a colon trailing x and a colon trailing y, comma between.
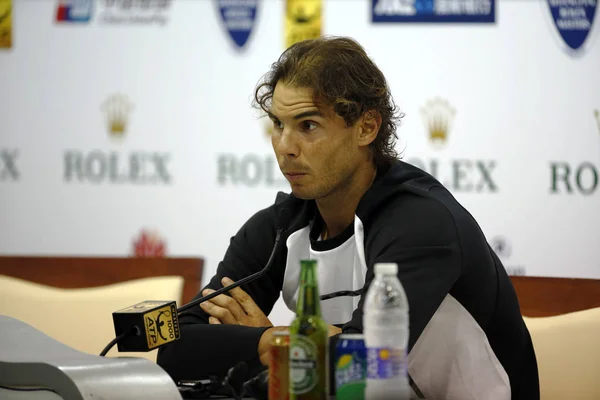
x: 161, y: 326
x: 597, y: 115
x: 5, y: 24
x: 302, y: 21
x: 117, y: 109
x: 384, y: 354
x: 438, y: 116
x: 344, y: 360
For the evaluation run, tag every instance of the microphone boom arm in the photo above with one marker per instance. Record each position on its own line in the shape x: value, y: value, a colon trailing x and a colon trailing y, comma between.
x: 247, y: 279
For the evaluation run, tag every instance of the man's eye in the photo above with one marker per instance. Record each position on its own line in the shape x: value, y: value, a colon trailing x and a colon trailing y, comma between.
x: 277, y: 125
x: 309, y: 125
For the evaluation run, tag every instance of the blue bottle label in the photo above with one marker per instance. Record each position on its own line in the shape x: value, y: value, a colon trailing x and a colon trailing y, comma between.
x: 385, y: 363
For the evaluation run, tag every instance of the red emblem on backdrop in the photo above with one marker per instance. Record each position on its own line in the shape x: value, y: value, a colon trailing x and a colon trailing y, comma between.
x: 149, y: 244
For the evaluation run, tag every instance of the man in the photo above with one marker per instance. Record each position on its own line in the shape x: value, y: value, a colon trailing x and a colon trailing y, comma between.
x: 353, y: 204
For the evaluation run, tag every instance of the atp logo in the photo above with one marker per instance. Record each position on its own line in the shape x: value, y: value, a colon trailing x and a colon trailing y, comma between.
x: 161, y: 326
x: 155, y: 326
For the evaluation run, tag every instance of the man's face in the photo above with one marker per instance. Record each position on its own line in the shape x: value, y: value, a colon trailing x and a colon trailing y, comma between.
x: 316, y: 151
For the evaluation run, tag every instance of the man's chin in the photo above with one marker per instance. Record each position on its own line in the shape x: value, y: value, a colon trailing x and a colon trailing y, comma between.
x: 301, y: 194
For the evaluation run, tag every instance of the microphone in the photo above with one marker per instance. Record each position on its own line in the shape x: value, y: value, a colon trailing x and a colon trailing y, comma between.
x: 150, y: 324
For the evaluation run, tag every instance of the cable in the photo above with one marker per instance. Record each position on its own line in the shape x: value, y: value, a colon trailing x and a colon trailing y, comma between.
x: 112, y: 343
x: 135, y: 330
x: 342, y: 293
x: 27, y: 389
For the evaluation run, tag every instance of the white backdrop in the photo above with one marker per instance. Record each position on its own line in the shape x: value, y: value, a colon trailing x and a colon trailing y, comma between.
x: 521, y: 100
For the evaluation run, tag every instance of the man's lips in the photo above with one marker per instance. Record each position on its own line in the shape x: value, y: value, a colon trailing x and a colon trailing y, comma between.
x: 293, y: 175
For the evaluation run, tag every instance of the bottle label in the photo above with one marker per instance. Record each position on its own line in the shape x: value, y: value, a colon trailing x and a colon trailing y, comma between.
x: 303, y: 365
x: 386, y: 363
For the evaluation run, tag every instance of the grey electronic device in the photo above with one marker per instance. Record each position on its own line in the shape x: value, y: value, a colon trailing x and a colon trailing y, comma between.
x: 34, y: 365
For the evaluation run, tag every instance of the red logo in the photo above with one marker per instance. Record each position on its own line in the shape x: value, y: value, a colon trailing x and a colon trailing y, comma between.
x: 149, y: 244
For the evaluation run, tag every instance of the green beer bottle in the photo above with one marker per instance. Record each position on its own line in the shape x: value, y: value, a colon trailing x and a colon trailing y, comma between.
x: 309, y: 341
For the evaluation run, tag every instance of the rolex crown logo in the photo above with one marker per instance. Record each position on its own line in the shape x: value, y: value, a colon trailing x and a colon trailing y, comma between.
x: 268, y: 128
x: 438, y: 127
x: 116, y: 109
x: 438, y: 116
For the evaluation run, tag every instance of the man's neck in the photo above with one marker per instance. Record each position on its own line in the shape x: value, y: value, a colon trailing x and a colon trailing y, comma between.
x: 338, y: 209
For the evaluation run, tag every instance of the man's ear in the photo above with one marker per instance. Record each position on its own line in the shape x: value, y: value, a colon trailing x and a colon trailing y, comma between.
x: 368, y: 128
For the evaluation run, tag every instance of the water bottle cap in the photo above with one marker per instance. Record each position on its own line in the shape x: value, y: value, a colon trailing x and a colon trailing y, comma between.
x: 386, y: 269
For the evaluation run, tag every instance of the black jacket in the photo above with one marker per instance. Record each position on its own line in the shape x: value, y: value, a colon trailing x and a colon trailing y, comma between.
x: 467, y: 335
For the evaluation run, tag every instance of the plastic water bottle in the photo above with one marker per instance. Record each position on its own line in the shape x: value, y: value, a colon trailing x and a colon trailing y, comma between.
x: 385, y: 328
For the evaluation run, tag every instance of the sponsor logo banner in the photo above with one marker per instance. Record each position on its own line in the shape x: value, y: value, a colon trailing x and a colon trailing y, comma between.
x: 434, y: 11
x: 576, y: 178
x: 302, y: 20
x: 238, y: 18
x: 466, y: 175
x: 134, y: 12
x: 74, y: 11
x: 251, y: 169
x: 114, y: 12
x: 573, y: 19
x: 5, y: 24
x: 580, y: 178
x: 116, y: 167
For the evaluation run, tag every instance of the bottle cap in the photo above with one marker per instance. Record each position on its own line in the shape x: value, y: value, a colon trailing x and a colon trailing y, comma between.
x: 386, y: 269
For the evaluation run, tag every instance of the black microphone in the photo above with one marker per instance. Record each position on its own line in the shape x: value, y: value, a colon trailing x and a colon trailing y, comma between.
x: 150, y: 324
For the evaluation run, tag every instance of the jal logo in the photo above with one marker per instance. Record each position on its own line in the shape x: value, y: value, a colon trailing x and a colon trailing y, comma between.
x: 238, y: 17
x: 573, y: 20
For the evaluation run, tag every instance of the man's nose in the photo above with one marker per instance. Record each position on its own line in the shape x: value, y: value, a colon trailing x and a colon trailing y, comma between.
x: 285, y: 144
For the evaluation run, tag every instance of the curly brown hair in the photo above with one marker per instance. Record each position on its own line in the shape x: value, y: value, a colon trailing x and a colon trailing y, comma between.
x: 341, y: 75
